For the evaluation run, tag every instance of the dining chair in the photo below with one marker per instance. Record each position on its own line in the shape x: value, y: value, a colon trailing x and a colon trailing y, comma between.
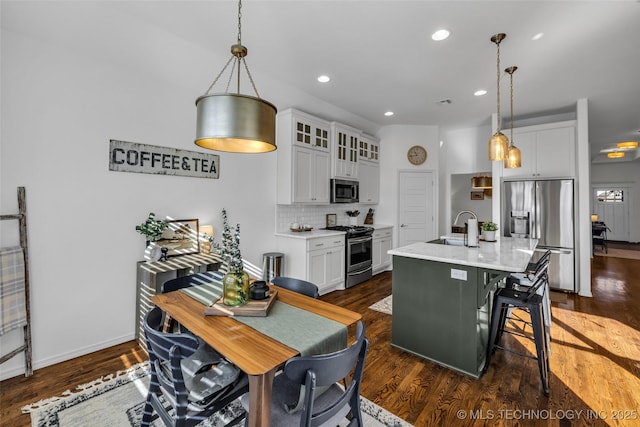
x: 197, y: 279
x: 190, y: 381
x: 297, y: 285
x: 320, y: 372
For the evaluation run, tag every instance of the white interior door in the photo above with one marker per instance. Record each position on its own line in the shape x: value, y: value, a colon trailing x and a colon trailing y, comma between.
x: 611, y: 204
x: 416, y: 204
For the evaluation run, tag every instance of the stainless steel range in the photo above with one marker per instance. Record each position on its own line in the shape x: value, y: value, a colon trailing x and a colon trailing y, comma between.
x: 358, y: 253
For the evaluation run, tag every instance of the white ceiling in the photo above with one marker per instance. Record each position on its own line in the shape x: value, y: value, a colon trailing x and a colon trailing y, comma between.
x: 379, y: 54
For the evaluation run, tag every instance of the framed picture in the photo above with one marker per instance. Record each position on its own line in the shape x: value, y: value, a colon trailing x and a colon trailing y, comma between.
x: 181, y: 237
x: 332, y: 220
x: 477, y: 195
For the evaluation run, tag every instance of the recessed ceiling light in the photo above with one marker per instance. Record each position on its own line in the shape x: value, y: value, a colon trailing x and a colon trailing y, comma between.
x: 324, y: 79
x: 480, y: 92
x: 388, y: 113
x: 537, y: 36
x: 628, y: 144
x: 440, y: 35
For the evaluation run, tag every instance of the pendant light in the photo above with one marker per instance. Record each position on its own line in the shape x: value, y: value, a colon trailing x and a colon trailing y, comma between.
x: 498, y: 143
x: 514, y: 158
x: 233, y: 122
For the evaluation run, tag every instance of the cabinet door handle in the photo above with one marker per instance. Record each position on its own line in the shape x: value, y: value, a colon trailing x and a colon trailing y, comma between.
x: 403, y: 225
x: 319, y: 244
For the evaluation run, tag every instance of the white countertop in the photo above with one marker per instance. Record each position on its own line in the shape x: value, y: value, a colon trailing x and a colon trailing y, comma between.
x: 506, y: 254
x: 318, y: 232
x: 315, y: 233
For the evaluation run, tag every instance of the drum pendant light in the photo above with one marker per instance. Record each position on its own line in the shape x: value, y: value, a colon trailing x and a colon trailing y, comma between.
x: 498, y: 143
x: 514, y: 158
x: 233, y: 122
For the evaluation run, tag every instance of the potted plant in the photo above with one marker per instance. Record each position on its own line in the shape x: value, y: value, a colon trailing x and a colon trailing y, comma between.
x: 152, y: 228
x: 489, y: 230
x: 236, y: 280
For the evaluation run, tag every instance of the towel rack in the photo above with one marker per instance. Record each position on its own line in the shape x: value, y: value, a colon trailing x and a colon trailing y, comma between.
x: 21, y: 216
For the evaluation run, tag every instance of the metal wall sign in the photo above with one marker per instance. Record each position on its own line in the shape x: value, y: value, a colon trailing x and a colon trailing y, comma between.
x: 143, y: 158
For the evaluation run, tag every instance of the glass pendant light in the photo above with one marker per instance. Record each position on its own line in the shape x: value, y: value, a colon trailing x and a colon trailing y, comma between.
x: 233, y: 122
x: 514, y: 158
x: 498, y: 143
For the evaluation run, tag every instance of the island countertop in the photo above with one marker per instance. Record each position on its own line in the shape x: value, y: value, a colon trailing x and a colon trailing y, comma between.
x: 506, y: 254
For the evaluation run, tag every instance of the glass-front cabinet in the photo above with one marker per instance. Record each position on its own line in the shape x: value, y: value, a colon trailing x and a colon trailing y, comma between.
x: 345, y: 151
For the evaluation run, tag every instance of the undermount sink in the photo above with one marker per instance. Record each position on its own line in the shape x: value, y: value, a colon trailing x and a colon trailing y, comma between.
x: 450, y: 242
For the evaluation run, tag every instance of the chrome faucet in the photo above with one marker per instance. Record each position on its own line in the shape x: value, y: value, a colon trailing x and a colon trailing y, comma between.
x: 471, y: 237
x: 455, y: 221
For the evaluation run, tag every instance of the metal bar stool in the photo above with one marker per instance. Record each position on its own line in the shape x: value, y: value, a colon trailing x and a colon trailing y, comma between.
x: 530, y: 297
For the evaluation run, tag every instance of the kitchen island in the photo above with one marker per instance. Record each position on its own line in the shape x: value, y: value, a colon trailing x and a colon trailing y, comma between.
x: 442, y: 298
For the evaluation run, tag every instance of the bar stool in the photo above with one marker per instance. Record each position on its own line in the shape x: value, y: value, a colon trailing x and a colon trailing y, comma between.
x: 531, y: 299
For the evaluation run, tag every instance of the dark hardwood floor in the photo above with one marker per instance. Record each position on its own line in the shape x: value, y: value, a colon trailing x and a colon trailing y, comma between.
x: 595, y: 366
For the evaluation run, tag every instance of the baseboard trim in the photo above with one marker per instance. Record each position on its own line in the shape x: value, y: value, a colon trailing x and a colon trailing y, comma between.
x: 43, y: 363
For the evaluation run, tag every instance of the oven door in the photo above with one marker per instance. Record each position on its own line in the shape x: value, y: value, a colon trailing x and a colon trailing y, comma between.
x: 359, y: 253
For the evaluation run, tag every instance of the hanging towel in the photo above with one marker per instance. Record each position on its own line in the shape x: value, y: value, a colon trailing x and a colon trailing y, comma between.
x: 13, y: 312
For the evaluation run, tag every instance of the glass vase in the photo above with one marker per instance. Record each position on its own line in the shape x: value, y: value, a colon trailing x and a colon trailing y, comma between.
x: 235, y: 288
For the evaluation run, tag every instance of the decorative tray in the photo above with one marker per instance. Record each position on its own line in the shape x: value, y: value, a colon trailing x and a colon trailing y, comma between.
x: 254, y: 308
x: 297, y: 230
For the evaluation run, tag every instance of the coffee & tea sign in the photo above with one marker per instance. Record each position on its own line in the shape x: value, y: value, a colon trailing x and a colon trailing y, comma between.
x: 143, y: 158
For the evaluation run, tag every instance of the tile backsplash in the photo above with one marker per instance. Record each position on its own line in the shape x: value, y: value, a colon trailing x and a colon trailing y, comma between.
x: 316, y: 216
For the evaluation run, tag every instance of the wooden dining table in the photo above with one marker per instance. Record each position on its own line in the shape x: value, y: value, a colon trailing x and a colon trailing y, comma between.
x: 256, y: 354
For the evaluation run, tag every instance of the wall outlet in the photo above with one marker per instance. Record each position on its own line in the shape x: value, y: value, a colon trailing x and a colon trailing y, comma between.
x: 458, y: 274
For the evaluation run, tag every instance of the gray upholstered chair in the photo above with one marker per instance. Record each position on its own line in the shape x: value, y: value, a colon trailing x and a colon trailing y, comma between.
x: 321, y: 372
x: 180, y: 372
x: 297, y: 285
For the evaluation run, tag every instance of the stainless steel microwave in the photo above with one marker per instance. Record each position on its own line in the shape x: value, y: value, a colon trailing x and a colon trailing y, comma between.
x: 344, y: 191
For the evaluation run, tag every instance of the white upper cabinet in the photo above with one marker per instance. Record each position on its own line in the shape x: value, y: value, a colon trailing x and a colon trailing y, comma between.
x: 547, y: 151
x: 369, y: 169
x: 345, y: 151
x: 369, y: 148
x: 304, y: 165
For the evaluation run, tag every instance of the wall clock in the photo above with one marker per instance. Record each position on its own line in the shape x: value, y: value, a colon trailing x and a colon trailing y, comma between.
x: 417, y: 155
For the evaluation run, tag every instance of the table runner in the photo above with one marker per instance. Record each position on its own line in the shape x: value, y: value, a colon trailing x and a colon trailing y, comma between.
x: 299, y: 329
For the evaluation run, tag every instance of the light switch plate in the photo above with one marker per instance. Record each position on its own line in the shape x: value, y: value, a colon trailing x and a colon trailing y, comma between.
x: 458, y: 274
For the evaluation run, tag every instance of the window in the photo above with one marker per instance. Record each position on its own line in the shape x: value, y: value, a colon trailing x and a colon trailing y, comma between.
x: 610, y: 196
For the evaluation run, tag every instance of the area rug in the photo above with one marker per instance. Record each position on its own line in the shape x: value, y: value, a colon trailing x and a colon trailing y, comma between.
x: 383, y: 305
x: 117, y: 400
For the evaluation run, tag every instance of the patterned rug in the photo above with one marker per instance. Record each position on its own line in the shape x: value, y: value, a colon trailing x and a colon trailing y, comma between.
x: 117, y: 400
x: 383, y: 305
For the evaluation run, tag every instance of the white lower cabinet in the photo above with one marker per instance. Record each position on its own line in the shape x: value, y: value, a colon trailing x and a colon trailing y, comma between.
x: 319, y: 260
x: 382, y: 241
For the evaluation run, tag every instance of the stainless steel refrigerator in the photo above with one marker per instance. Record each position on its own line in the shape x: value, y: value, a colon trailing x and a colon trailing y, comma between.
x: 544, y: 210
